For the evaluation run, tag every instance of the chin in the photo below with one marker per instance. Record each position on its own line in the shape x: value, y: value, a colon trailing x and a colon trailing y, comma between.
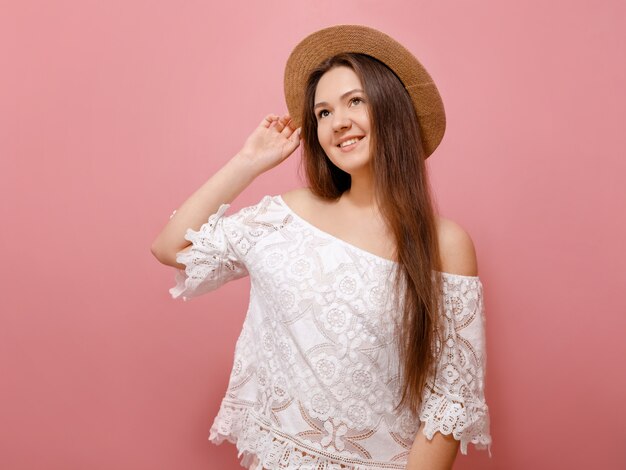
x: 353, y: 169
x: 349, y: 163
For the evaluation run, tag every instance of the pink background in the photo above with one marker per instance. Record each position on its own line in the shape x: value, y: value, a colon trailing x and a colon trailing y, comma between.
x: 112, y: 113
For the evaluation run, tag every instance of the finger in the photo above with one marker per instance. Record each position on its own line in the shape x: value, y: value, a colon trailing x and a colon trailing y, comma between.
x: 293, y: 142
x: 280, y: 125
x: 288, y: 129
x: 290, y: 122
x: 283, y: 121
x: 295, y: 137
x: 268, y: 120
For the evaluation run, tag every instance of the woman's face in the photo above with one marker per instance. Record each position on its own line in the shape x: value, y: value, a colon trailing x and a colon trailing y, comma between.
x: 343, y: 124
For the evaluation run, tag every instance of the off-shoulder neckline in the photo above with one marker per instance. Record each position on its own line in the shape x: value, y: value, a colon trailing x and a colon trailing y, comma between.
x: 387, y: 261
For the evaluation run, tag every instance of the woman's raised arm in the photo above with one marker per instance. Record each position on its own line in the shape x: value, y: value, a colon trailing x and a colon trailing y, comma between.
x: 270, y: 143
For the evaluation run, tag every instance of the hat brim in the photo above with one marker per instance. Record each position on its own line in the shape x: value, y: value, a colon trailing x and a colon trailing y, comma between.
x: 321, y: 45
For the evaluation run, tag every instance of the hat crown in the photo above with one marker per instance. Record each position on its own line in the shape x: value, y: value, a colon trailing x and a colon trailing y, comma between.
x: 328, y: 42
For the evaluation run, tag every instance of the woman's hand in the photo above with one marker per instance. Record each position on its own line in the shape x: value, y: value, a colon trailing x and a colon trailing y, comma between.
x: 270, y: 143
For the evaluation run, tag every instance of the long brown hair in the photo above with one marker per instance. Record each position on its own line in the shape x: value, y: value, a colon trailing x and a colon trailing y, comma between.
x: 404, y: 198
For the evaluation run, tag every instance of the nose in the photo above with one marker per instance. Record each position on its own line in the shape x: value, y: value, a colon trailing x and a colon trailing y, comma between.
x: 340, y: 121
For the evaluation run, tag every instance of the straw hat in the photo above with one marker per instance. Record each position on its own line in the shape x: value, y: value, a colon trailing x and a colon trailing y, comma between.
x: 321, y: 45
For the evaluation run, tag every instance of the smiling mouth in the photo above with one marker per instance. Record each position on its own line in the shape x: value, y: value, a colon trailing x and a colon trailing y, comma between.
x: 350, y: 142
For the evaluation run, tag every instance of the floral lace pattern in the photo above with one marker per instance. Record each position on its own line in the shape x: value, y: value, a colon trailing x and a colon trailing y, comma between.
x: 455, y: 402
x: 315, y: 374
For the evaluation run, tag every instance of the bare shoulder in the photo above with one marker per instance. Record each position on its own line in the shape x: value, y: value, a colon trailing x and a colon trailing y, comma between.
x: 296, y: 194
x: 458, y: 255
x: 300, y: 199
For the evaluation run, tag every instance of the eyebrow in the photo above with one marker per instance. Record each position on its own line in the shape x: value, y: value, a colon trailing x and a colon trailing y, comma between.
x: 324, y: 103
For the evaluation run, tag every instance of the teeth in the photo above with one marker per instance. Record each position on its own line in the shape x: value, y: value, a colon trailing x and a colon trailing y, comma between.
x: 348, y: 142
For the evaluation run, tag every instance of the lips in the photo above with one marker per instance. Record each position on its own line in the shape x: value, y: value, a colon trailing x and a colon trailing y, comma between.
x: 347, y: 142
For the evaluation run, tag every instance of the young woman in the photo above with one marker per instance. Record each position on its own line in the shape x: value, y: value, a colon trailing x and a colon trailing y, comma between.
x: 363, y: 346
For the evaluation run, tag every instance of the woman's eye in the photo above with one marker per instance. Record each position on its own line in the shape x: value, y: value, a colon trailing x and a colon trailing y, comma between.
x: 321, y: 113
x: 356, y: 100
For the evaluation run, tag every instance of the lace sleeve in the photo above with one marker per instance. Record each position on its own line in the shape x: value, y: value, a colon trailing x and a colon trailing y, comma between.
x: 456, y: 403
x: 217, y: 254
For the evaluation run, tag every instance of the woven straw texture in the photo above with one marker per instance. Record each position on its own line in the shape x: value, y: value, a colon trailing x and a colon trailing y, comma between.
x: 317, y: 47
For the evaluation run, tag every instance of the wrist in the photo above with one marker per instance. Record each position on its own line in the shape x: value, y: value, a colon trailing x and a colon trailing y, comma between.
x: 243, y: 164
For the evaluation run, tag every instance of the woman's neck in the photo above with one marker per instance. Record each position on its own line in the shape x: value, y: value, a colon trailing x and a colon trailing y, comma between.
x: 361, y: 194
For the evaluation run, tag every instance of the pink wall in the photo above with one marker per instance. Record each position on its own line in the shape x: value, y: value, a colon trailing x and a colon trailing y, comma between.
x: 112, y: 113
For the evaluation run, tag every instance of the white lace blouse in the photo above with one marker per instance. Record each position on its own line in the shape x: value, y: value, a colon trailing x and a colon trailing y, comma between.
x: 315, y: 371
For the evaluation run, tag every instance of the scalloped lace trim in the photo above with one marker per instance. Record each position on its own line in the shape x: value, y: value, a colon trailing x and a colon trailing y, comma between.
x: 209, y: 263
x: 467, y: 425
x: 260, y: 445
